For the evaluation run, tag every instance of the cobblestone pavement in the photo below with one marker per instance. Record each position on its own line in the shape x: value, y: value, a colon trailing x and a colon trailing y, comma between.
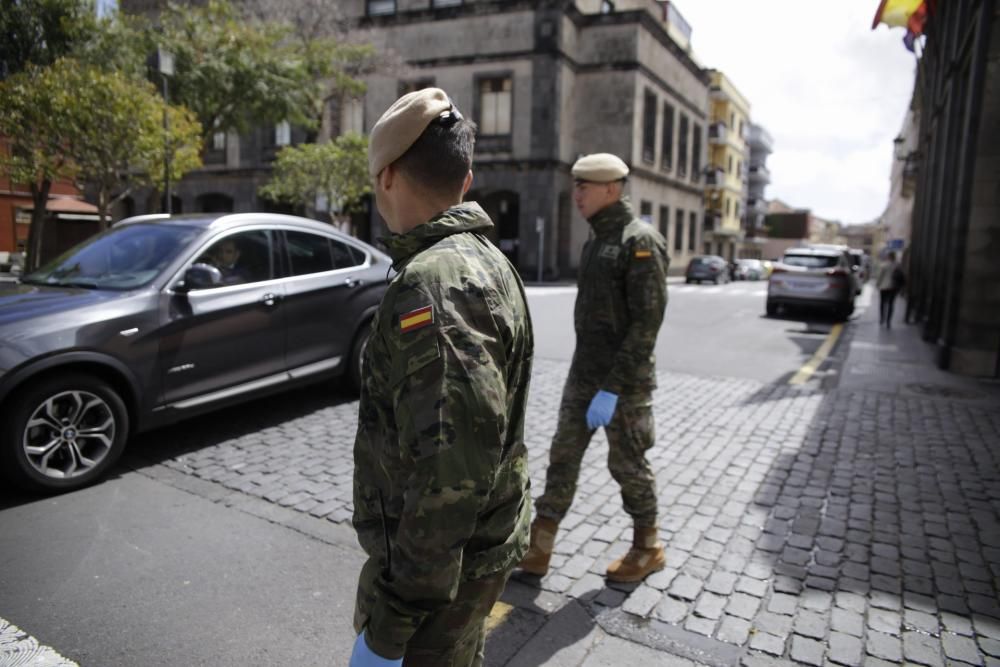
x: 849, y: 526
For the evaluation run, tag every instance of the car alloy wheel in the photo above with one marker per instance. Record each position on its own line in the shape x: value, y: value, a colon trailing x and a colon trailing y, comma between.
x: 69, y: 434
x: 65, y: 433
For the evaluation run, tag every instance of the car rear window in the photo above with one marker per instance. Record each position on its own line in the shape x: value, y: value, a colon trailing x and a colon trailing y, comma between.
x: 811, y: 261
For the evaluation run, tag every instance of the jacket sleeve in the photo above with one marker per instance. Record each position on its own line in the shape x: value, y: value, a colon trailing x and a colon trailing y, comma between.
x: 449, y: 401
x: 646, y: 301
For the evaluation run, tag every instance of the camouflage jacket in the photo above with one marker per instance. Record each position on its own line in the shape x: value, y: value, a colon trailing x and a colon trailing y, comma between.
x: 620, y: 302
x: 440, y: 479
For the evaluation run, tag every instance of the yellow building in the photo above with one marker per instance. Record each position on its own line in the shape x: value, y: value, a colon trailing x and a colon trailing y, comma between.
x: 726, y: 178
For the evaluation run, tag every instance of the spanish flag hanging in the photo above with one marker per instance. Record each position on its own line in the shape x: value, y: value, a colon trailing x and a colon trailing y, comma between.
x: 896, y: 13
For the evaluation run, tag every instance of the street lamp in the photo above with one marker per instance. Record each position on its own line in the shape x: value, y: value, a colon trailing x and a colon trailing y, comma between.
x: 165, y: 66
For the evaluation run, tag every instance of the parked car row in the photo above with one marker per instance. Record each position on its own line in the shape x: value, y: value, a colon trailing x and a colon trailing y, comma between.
x: 160, y: 318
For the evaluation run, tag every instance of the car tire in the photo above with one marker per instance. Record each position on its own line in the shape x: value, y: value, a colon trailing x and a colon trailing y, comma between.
x: 771, y: 308
x: 688, y: 280
x: 718, y: 280
x: 79, y: 404
x: 356, y: 372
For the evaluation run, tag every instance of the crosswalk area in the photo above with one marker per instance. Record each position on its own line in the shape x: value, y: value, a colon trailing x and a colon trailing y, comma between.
x: 749, y: 288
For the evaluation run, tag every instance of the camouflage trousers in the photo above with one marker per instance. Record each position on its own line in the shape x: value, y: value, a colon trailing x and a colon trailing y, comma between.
x: 630, y: 436
x: 453, y: 636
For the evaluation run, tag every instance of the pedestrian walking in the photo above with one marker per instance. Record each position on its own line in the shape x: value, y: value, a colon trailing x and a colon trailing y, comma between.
x: 621, y: 298
x: 889, y: 281
x: 441, y: 500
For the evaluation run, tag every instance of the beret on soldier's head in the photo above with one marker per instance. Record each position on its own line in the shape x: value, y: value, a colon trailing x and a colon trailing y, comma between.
x: 403, y: 123
x: 600, y: 168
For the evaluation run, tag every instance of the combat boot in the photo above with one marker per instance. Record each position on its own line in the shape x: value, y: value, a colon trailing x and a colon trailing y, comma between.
x: 543, y: 539
x: 645, y: 557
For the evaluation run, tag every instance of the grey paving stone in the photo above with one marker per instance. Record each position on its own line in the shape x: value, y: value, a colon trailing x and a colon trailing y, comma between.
x: 884, y: 646
x: 642, y: 601
x: 960, y: 648
x: 775, y: 624
x: 722, y: 583
x: 781, y: 603
x: 733, y: 630
x: 807, y: 651
x: 710, y: 605
x: 990, y: 646
x: 768, y: 643
x: 660, y: 580
x: 884, y: 621
x: 810, y: 624
x: 686, y: 587
x: 671, y: 610
x: 703, y: 626
x: 743, y: 605
x: 849, y: 600
x: 752, y: 586
x: 848, y: 622
x: 918, y: 620
x: 958, y: 625
x: 845, y: 649
x: 922, y: 649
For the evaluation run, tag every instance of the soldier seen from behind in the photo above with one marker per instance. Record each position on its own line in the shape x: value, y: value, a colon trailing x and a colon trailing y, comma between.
x: 441, y: 502
x: 621, y: 299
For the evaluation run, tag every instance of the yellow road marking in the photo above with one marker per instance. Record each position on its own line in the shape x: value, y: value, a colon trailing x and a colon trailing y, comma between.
x: 817, y: 359
x: 497, y: 615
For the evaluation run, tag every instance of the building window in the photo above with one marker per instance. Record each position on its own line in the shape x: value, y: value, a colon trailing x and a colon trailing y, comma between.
x: 739, y: 168
x: 736, y: 209
x: 649, y: 127
x: 446, y: 3
x: 282, y: 134
x: 352, y: 116
x: 219, y: 141
x: 679, y: 230
x: 695, y: 152
x: 682, y: 147
x: 381, y: 7
x: 729, y: 169
x: 646, y: 211
x: 727, y: 207
x: 664, y: 220
x: 732, y: 120
x: 667, y: 141
x: 741, y: 128
x: 692, y: 230
x: 495, y: 106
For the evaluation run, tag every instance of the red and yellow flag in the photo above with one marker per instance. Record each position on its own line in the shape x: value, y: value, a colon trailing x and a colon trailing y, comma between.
x: 416, y: 319
x: 896, y: 13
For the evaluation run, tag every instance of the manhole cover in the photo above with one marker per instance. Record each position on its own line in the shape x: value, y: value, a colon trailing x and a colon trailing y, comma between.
x: 942, y: 391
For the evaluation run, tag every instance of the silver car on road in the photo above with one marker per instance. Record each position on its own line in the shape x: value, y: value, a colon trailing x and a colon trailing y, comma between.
x: 813, y: 277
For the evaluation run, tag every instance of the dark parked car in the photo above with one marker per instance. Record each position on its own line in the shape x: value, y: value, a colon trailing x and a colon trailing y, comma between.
x: 707, y: 267
x: 159, y: 318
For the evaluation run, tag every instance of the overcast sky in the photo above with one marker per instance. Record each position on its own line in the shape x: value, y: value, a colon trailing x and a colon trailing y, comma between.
x: 832, y: 93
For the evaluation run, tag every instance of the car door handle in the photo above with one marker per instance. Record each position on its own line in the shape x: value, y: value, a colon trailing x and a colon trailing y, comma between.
x: 352, y: 282
x: 269, y: 299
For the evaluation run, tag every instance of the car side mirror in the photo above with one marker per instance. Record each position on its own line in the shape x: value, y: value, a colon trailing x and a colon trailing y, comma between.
x: 201, y: 276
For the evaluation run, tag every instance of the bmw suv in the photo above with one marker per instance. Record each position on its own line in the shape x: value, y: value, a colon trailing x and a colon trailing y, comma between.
x: 160, y: 318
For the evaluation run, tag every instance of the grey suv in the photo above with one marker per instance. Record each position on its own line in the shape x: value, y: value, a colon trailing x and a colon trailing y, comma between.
x: 815, y: 277
x: 159, y: 318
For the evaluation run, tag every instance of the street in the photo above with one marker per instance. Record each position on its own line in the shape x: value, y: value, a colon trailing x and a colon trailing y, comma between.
x: 853, y: 518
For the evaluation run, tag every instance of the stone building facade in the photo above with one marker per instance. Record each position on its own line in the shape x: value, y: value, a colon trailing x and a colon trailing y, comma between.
x: 546, y: 82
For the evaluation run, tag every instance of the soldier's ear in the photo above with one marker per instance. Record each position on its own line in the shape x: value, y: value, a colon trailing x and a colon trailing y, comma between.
x: 467, y: 183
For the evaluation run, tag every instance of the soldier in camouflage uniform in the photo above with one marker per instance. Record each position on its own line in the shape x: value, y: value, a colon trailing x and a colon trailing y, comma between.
x: 619, y: 308
x: 441, y: 499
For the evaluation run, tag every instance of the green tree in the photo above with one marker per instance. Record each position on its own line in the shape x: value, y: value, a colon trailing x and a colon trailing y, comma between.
x: 38, y: 32
x: 335, y: 171
x: 232, y: 72
x: 118, y: 141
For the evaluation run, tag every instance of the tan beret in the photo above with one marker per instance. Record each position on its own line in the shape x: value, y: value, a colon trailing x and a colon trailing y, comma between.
x: 600, y: 168
x: 402, y: 124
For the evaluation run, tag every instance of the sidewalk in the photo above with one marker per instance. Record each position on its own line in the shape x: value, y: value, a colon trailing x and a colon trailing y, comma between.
x: 855, y: 526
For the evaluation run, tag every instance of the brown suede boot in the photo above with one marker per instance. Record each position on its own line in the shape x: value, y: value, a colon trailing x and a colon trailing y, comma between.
x: 645, y: 557
x: 543, y: 539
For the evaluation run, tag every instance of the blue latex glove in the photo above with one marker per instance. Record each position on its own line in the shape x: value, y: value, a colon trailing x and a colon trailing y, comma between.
x: 362, y: 656
x: 602, y: 409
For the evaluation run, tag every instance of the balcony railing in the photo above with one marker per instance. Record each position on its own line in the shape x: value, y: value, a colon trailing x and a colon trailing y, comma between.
x: 717, y: 133
x: 714, y: 176
x: 760, y: 173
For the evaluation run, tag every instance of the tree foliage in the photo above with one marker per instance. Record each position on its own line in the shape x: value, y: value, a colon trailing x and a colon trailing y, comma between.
x: 335, y: 171
x: 38, y: 32
x: 234, y: 73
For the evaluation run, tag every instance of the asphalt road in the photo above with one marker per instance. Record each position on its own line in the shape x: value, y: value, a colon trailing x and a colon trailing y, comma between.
x: 709, y: 330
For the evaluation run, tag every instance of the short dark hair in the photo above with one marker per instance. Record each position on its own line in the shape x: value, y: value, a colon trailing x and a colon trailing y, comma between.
x: 441, y: 157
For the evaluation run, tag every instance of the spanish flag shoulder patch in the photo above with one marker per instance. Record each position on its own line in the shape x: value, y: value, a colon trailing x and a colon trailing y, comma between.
x: 416, y: 319
x: 643, y: 254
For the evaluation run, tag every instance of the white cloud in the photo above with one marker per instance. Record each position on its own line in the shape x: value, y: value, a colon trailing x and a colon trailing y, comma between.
x: 832, y: 93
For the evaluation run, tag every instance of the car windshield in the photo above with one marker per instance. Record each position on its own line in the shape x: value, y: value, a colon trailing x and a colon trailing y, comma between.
x: 121, y: 258
x: 811, y: 261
